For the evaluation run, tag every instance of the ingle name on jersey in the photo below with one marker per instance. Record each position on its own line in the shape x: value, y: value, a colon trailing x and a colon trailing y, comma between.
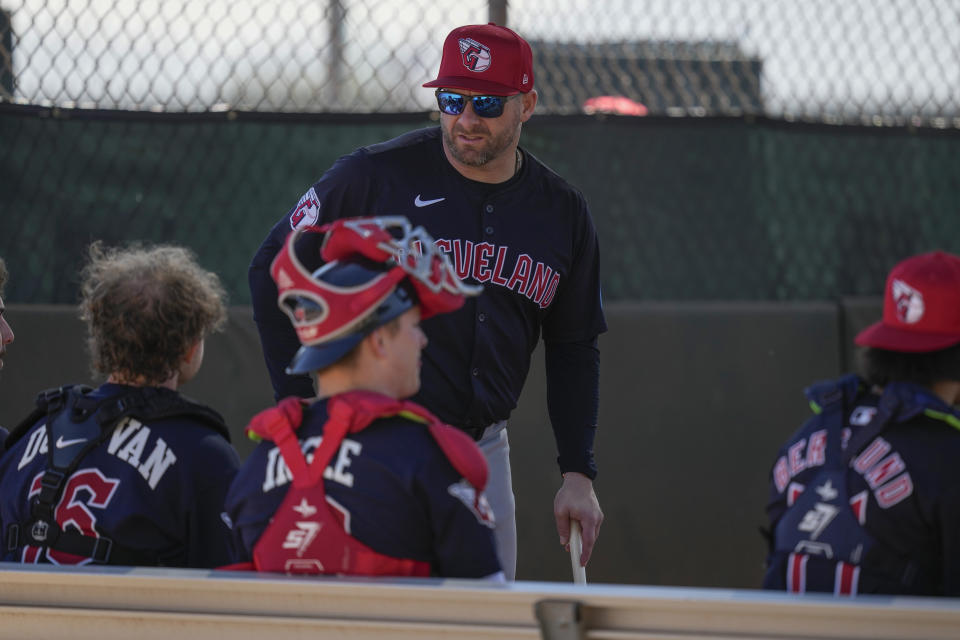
x: 278, y: 473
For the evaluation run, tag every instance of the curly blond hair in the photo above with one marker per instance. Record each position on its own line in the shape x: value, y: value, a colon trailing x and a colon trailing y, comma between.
x: 145, y: 308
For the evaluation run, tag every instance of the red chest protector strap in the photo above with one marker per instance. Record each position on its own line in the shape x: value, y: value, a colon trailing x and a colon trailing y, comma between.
x: 352, y: 412
x: 288, y: 542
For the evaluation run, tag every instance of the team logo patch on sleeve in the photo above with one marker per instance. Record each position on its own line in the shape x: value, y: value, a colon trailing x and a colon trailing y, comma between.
x: 465, y: 493
x: 307, y: 212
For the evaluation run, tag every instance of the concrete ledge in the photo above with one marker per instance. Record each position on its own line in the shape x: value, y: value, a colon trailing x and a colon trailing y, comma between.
x: 113, y: 602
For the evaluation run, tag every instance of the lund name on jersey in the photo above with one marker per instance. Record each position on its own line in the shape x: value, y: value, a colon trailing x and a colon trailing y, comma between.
x: 881, y: 467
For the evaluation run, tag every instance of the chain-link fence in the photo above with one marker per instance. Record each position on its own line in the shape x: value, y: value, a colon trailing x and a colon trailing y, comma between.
x: 201, y: 121
x: 866, y: 61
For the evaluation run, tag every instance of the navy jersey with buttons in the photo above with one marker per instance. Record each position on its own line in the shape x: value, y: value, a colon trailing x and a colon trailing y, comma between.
x: 155, y: 489
x: 413, y: 506
x: 529, y: 241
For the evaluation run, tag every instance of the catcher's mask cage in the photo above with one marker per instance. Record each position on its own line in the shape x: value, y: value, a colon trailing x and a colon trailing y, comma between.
x: 376, y: 269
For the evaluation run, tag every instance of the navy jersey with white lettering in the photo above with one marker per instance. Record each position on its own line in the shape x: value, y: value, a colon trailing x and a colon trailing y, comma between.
x: 155, y: 489
x: 398, y: 491
x: 888, y: 521
x: 529, y: 241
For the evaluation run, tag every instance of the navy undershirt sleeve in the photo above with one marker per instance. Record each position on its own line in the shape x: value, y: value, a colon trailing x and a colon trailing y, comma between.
x: 277, y: 336
x: 340, y: 192
x: 573, y: 399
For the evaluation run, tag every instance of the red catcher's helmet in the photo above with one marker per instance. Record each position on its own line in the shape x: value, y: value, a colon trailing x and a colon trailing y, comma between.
x: 376, y: 268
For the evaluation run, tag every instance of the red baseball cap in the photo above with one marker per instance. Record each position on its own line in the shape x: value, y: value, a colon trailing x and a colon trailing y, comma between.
x: 921, y: 306
x: 487, y: 58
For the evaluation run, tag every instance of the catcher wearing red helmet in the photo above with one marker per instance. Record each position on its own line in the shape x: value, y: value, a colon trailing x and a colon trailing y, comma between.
x: 360, y: 481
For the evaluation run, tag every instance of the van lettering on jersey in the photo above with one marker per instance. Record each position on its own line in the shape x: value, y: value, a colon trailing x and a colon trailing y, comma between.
x: 157, y: 463
x: 129, y: 442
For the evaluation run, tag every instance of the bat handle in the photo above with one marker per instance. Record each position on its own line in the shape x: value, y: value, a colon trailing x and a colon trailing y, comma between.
x: 576, y: 547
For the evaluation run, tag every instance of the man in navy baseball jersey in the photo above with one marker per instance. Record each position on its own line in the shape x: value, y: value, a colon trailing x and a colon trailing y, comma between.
x: 865, y: 497
x: 6, y: 333
x: 132, y: 472
x: 507, y: 222
x: 360, y: 481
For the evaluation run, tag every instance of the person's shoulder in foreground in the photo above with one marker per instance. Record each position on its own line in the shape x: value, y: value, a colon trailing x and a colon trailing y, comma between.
x: 361, y: 481
x: 132, y: 472
x: 865, y: 497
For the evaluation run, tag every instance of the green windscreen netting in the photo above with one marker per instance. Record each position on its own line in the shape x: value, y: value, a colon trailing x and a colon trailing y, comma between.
x: 686, y: 208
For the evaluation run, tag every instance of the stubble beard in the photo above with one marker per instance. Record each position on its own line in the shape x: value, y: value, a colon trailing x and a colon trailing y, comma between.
x: 478, y: 157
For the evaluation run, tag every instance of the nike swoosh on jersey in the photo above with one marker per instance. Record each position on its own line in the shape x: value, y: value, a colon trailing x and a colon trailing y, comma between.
x: 425, y: 203
x: 61, y: 443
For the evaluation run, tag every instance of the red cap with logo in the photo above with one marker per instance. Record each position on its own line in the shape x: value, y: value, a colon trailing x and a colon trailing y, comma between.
x: 486, y: 58
x: 921, y: 306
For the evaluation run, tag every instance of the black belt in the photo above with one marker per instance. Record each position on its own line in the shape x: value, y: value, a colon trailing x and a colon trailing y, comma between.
x: 474, y: 432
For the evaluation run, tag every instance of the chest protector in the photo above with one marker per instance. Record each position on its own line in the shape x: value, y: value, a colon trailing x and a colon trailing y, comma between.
x: 76, y: 424
x: 820, y: 543
x: 306, y: 535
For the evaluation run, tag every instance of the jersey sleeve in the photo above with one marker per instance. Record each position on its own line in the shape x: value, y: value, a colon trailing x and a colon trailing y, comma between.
x: 208, y: 540
x: 572, y: 359
x: 576, y: 313
x: 341, y: 192
x: 464, y: 544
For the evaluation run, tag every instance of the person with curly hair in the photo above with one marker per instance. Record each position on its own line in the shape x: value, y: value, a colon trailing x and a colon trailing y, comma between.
x: 132, y: 472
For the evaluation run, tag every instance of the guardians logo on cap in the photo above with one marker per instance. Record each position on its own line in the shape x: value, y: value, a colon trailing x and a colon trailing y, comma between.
x: 921, y: 306
x: 476, y: 56
x: 486, y: 58
x: 909, y: 302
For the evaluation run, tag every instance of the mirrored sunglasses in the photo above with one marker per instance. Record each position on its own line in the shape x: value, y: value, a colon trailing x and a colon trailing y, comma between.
x: 453, y: 103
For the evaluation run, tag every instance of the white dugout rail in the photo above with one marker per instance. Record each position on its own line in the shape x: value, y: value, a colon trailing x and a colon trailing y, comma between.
x: 116, y: 602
